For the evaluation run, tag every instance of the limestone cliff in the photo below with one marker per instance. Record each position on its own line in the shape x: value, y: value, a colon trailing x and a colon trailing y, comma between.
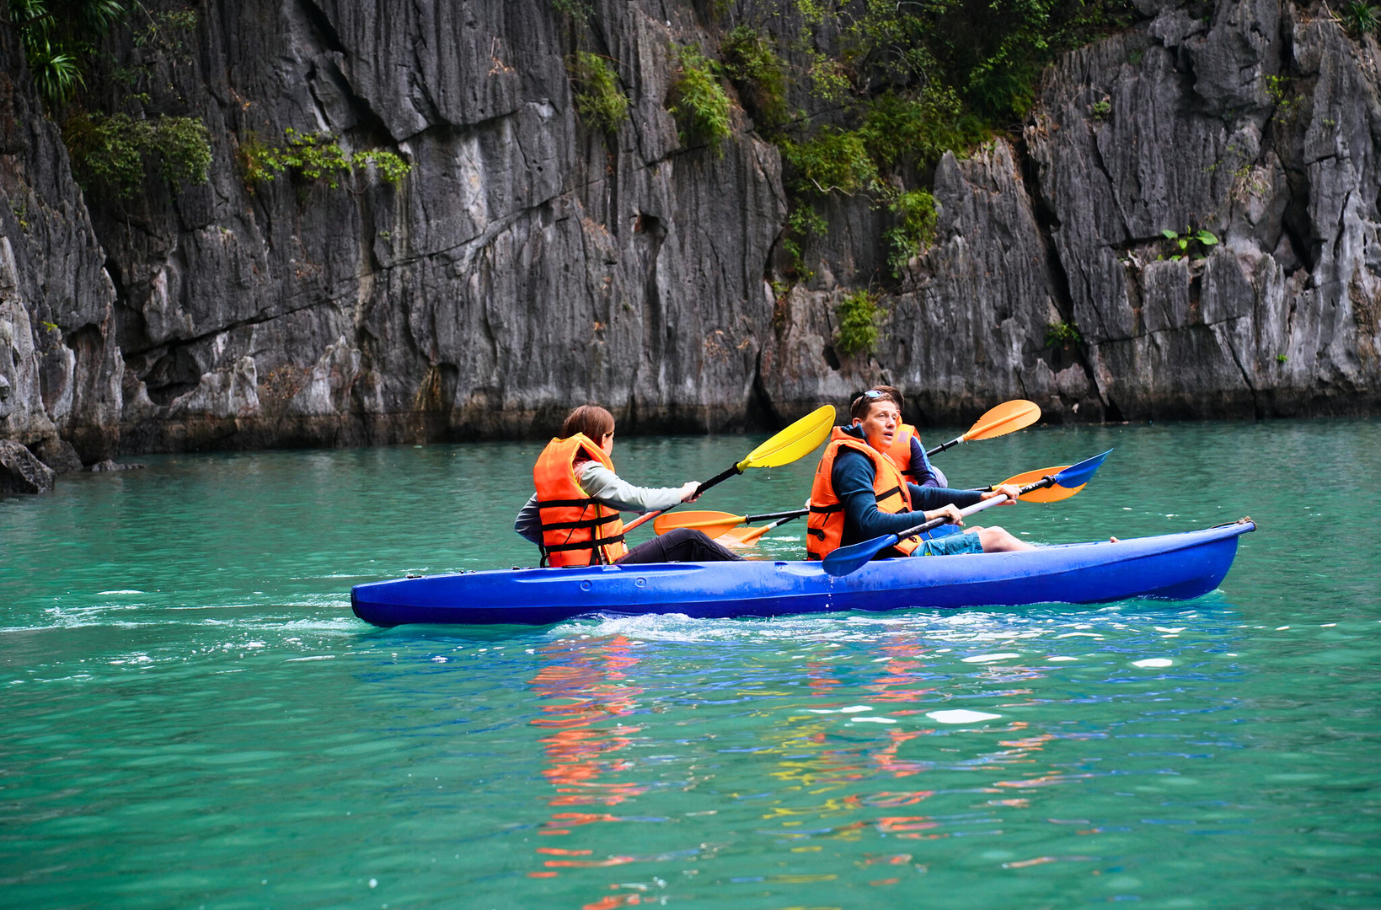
x: 529, y: 261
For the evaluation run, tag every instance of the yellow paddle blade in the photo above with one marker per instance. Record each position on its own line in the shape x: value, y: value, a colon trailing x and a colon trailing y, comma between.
x: 1047, y: 494
x: 703, y: 520
x: 1003, y: 419
x: 795, y: 442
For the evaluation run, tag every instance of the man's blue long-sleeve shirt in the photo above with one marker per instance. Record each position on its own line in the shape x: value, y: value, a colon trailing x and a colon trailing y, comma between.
x: 852, y: 478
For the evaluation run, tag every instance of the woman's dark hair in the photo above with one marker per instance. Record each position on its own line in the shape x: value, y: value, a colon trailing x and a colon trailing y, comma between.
x: 859, y: 409
x: 590, y: 419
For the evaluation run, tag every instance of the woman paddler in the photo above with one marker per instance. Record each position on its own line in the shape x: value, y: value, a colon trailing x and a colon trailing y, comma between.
x: 574, y: 515
x: 859, y: 493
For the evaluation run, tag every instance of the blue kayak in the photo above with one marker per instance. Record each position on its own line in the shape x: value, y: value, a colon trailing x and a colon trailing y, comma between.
x: 1169, y: 567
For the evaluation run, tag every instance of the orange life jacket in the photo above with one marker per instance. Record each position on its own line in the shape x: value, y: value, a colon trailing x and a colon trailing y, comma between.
x: 900, y: 453
x: 825, y: 524
x: 576, y: 530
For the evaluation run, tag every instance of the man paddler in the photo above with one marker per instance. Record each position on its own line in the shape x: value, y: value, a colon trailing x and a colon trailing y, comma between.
x: 859, y: 492
x: 907, y: 452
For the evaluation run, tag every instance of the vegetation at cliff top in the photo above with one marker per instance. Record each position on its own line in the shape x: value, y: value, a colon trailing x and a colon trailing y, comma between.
x: 886, y: 89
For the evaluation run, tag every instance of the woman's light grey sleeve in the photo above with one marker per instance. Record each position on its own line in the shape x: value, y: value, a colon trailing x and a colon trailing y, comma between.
x: 606, y: 486
x: 529, y: 521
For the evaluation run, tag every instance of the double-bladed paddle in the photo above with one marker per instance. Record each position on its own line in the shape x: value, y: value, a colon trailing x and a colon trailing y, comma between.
x: 999, y: 421
x: 846, y: 560
x: 796, y: 441
x: 717, y: 524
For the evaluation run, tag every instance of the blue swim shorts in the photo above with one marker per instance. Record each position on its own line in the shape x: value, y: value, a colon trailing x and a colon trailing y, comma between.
x: 951, y: 545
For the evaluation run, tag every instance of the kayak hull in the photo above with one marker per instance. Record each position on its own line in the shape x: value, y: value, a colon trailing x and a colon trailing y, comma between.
x: 1168, y: 567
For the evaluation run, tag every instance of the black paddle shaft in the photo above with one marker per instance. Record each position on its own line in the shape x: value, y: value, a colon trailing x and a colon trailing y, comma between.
x: 769, y: 516
x: 945, y: 445
x: 718, y: 478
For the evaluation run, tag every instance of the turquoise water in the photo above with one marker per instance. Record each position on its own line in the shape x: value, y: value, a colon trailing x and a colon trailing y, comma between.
x: 193, y: 717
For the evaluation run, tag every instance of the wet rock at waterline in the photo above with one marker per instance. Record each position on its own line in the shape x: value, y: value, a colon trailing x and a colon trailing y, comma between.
x: 58, y: 454
x: 102, y: 467
x: 21, y: 472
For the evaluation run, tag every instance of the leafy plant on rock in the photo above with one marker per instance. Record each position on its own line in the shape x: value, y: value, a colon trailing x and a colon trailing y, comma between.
x: 859, y: 314
x: 1062, y: 335
x: 314, y: 157
x: 802, y: 223
x: 1361, y: 17
x: 598, y: 99
x: 915, y: 228
x: 751, y: 63
x: 59, y: 40
x: 834, y: 161
x: 111, y: 154
x: 698, y: 101
x: 1191, y: 244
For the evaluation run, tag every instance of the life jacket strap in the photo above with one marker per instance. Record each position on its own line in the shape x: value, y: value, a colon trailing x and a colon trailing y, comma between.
x: 586, y: 523
x: 584, y: 544
x: 561, y: 503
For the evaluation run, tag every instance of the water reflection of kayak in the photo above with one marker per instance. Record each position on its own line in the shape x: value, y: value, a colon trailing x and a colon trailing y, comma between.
x: 1169, y: 567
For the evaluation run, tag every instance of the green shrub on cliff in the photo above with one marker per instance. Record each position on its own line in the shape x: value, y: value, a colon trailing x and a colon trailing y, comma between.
x: 598, y: 99
x: 313, y: 157
x: 834, y: 161
x: 859, y: 314
x: 697, y: 100
x: 111, y: 154
x: 755, y: 69
x: 914, y: 230
x: 1361, y: 17
x: 896, y: 85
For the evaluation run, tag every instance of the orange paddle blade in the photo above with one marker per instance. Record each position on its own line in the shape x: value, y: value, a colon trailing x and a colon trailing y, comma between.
x: 1003, y: 419
x: 747, y: 536
x: 712, y: 523
x: 736, y: 538
x: 1048, y: 494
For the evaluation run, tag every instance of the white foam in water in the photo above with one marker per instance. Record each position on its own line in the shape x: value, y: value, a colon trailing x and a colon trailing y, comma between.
x: 852, y: 709
x: 960, y: 716
x: 1153, y: 662
x: 1053, y: 659
x: 871, y: 720
x: 988, y: 658
x: 131, y: 591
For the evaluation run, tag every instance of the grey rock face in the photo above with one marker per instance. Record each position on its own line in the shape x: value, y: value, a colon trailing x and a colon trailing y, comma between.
x: 1275, y: 320
x: 21, y: 472
x: 529, y: 263
x: 59, y: 361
